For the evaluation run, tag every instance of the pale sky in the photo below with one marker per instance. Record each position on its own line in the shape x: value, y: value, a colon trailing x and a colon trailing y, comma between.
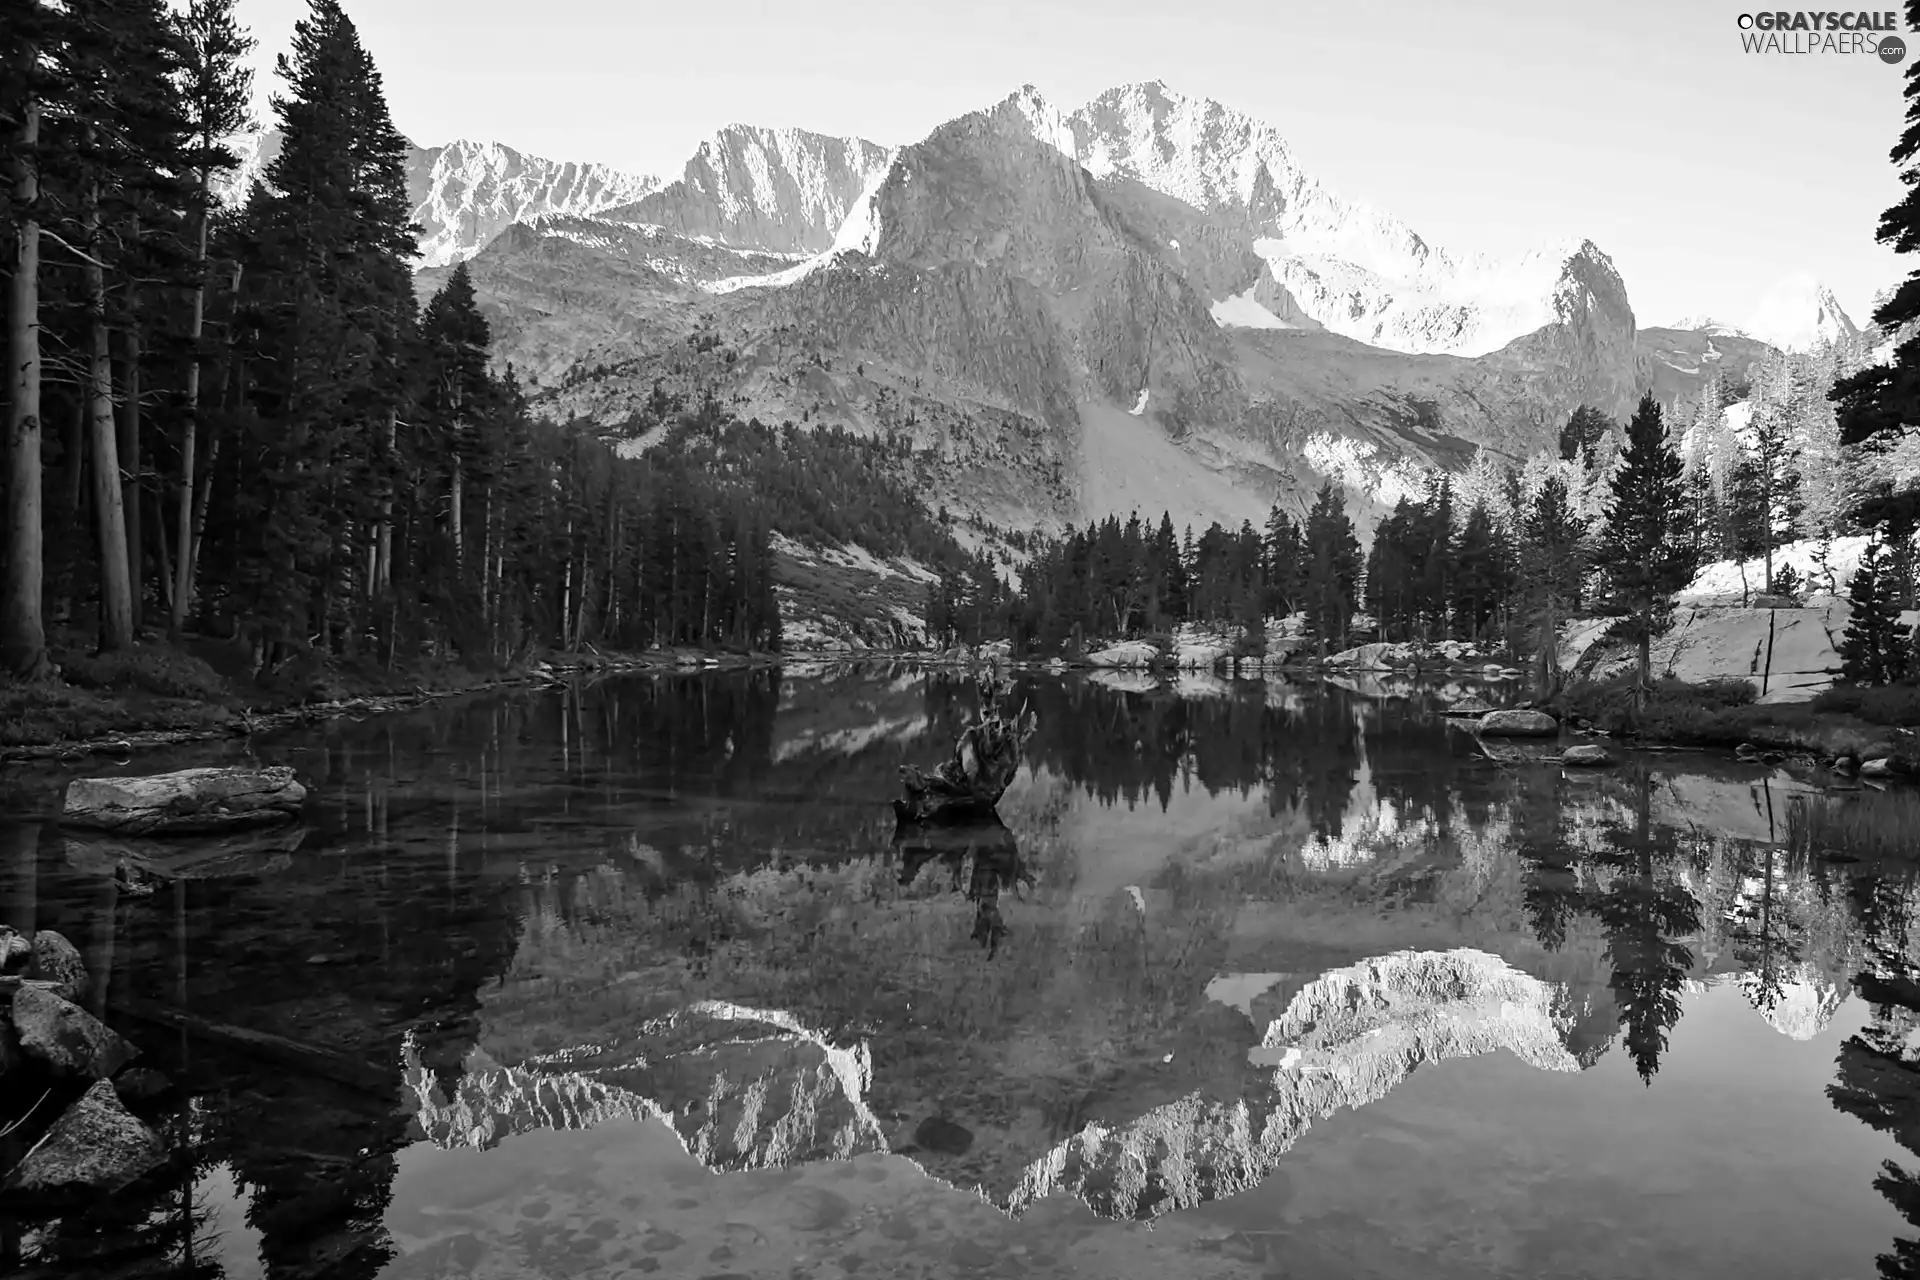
x: 1705, y: 172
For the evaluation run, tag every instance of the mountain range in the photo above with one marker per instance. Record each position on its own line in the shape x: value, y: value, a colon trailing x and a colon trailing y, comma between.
x: 1144, y: 302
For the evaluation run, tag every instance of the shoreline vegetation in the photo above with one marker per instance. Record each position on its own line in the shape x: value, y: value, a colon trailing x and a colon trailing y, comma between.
x: 163, y: 693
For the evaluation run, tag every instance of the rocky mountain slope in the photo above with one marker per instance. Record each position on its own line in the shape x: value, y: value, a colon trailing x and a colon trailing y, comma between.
x: 1145, y: 302
x: 466, y: 193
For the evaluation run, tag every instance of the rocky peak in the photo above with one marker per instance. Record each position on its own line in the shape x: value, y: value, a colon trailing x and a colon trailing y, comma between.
x: 777, y: 190
x: 1798, y: 313
x: 465, y: 193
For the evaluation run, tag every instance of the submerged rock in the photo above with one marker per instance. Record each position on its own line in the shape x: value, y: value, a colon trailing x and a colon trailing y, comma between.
x: 1477, y: 707
x: 97, y: 1145
x: 57, y: 961
x: 1519, y: 724
x: 191, y: 800
x: 66, y: 1037
x: 1586, y: 753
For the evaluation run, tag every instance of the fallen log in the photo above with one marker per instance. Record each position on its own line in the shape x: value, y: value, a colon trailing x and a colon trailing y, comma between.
x: 327, y: 1064
x: 966, y: 787
x: 190, y: 801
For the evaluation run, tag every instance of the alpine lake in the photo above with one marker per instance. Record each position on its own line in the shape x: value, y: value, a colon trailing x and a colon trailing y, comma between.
x: 634, y: 977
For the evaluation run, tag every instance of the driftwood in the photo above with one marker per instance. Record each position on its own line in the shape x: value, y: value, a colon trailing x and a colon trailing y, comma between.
x: 188, y: 802
x: 966, y: 787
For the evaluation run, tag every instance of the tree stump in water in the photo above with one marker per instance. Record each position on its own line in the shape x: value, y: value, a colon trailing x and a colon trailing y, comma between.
x: 966, y: 787
x: 191, y: 801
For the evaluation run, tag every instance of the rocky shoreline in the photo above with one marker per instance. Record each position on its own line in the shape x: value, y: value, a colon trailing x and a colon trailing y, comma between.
x: 69, y: 1125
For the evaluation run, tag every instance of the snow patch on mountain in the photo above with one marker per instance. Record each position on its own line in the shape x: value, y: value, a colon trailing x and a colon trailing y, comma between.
x: 1240, y: 311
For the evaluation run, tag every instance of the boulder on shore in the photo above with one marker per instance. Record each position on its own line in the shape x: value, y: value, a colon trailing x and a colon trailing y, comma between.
x: 96, y: 1145
x: 1519, y: 724
x: 66, y: 1037
x: 57, y: 961
x: 189, y: 801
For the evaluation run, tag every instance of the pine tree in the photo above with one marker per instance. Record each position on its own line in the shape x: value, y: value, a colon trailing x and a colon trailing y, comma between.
x: 30, y: 28
x: 1881, y: 401
x: 1485, y: 573
x: 1643, y: 549
x: 336, y: 304
x: 1333, y: 567
x: 1745, y: 518
x: 1583, y: 435
x: 127, y: 136
x: 1552, y: 564
x: 1776, y: 475
x: 217, y: 86
x: 1875, y: 648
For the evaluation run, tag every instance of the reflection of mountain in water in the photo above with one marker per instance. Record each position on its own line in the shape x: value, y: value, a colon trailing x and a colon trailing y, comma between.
x: 700, y: 876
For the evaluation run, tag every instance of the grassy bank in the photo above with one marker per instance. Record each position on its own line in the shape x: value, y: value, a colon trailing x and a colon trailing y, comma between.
x: 159, y: 692
x: 1864, y: 724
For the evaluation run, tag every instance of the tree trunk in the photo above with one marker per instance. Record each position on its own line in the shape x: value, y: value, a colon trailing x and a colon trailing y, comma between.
x: 456, y: 500
x: 116, y: 588
x: 383, y: 540
x: 23, y: 634
x: 130, y: 459
x: 1546, y: 666
x: 1646, y: 657
x: 190, y: 429
x: 163, y: 556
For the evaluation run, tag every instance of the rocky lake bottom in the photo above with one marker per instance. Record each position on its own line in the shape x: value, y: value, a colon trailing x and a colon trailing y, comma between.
x: 1250, y: 978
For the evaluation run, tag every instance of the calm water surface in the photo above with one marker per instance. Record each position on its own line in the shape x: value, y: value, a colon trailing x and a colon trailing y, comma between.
x: 1255, y: 979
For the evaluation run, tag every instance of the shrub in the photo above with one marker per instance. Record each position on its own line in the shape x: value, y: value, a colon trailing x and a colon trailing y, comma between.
x: 155, y: 669
x: 1893, y: 704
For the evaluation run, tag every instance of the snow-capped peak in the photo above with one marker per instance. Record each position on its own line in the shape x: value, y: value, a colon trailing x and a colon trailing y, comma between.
x: 1798, y: 313
x: 1337, y: 263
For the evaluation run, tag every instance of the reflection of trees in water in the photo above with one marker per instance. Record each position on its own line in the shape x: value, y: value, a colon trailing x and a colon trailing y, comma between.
x: 1645, y: 911
x: 162, y: 1226
x: 982, y: 859
x: 1877, y: 1080
x: 1630, y: 883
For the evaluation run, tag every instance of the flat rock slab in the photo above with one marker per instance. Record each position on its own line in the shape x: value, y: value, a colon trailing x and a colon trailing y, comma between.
x: 66, y: 1037
x: 187, y: 802
x: 96, y: 1145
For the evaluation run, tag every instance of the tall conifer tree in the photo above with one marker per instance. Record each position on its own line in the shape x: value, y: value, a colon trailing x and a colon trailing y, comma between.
x: 1644, y: 544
